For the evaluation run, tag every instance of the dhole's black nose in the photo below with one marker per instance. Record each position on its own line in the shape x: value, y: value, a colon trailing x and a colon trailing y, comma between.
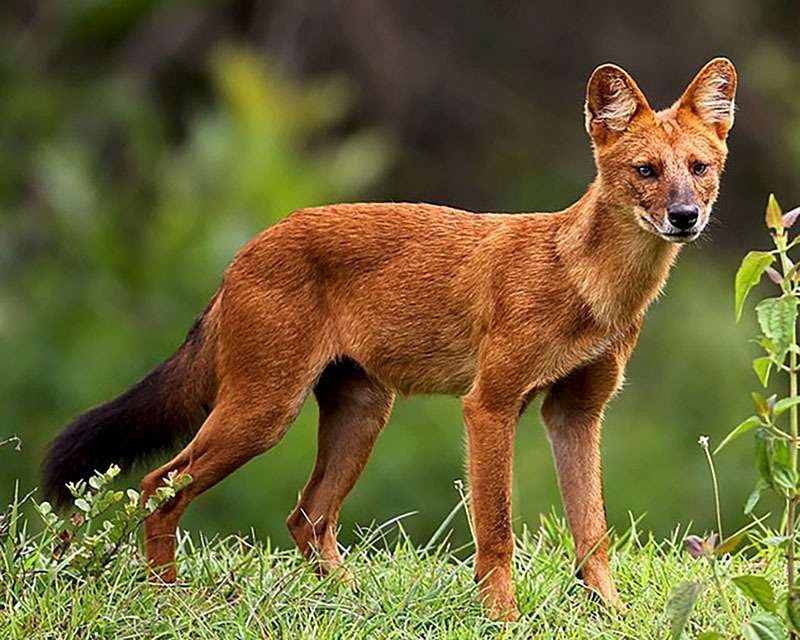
x: 683, y: 216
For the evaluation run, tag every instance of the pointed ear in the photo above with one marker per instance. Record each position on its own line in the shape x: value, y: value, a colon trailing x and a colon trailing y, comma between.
x: 710, y: 96
x: 613, y: 100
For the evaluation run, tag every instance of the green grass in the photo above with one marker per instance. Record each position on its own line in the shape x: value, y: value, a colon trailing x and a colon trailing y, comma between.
x: 237, y: 588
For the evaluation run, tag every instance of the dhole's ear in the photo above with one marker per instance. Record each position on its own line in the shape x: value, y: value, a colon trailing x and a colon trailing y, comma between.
x: 612, y: 101
x: 710, y: 96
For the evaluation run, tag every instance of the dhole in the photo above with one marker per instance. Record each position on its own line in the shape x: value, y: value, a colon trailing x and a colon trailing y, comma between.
x: 357, y: 302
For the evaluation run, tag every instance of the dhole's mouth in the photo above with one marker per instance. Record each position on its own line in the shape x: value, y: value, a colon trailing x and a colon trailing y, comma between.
x: 681, y: 236
x: 678, y: 237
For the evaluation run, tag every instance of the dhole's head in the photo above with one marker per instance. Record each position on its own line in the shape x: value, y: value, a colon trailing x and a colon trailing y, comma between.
x: 661, y: 169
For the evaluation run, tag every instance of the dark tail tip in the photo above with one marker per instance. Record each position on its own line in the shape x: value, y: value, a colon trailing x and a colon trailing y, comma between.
x: 159, y: 412
x: 75, y: 454
x: 148, y: 419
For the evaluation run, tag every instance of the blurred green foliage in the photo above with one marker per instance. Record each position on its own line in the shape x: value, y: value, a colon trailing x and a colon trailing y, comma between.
x: 116, y: 224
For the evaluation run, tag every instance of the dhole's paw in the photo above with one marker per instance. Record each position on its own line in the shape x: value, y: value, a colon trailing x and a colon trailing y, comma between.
x: 331, y: 565
x: 601, y: 584
x: 497, y: 595
x: 163, y: 575
x: 502, y: 608
x: 345, y: 577
x: 504, y: 612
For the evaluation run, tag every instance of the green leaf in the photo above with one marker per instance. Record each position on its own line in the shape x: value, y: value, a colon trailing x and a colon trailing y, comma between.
x: 766, y: 344
x: 762, y: 457
x: 709, y: 635
x: 749, y: 275
x: 729, y: 544
x: 774, y: 215
x: 780, y: 452
x: 777, y: 317
x: 793, y: 609
x: 680, y: 605
x: 757, y: 589
x: 743, y: 427
x: 754, y: 497
x: 764, y: 626
x: 762, y: 368
x: 760, y: 403
x: 784, y: 477
x: 775, y: 541
x: 785, y: 404
x: 82, y: 505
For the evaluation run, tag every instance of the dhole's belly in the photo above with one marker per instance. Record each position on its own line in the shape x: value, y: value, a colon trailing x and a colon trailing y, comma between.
x: 453, y: 372
x: 428, y: 358
x: 435, y: 373
x: 443, y: 358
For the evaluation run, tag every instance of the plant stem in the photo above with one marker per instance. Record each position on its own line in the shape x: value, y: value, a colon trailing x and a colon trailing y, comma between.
x: 790, y: 572
x: 786, y: 265
x: 792, y: 393
x: 720, y: 589
x: 704, y: 445
x: 791, y: 501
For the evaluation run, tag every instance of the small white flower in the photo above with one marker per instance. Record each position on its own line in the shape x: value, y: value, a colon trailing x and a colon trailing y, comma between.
x: 703, y: 442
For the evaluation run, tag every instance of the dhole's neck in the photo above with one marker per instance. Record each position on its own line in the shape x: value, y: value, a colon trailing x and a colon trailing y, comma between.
x: 617, y: 267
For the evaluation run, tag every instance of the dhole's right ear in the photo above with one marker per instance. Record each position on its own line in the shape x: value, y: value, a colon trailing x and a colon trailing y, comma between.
x: 613, y: 100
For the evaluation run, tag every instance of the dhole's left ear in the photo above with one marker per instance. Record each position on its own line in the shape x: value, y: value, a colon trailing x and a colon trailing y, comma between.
x: 710, y: 96
x: 613, y: 100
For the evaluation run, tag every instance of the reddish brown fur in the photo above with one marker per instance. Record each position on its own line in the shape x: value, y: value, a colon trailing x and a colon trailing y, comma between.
x: 360, y: 301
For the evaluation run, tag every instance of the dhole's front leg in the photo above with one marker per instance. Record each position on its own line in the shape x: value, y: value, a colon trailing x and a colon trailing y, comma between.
x: 573, y: 411
x: 490, y: 437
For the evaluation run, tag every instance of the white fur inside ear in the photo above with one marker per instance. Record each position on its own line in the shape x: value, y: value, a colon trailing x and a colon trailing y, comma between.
x: 712, y: 100
x: 619, y: 107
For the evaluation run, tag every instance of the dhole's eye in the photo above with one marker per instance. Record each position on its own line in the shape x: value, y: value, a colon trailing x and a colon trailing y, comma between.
x: 646, y: 171
x: 699, y: 168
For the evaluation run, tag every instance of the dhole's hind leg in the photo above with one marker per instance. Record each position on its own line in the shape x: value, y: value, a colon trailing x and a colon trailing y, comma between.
x: 267, y: 363
x: 233, y: 433
x: 353, y: 408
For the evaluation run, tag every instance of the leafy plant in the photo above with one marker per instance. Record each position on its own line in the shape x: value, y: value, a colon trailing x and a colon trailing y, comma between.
x: 715, y: 549
x: 82, y: 542
x: 102, y: 521
x: 776, y: 445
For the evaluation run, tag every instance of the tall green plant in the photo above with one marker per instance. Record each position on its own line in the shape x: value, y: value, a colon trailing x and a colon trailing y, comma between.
x: 776, y: 443
x: 776, y: 447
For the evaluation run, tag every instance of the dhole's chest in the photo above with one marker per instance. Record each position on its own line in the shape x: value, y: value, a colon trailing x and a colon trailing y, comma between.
x: 554, y: 346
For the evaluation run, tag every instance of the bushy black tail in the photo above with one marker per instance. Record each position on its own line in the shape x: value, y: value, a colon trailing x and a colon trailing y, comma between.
x: 161, y: 411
